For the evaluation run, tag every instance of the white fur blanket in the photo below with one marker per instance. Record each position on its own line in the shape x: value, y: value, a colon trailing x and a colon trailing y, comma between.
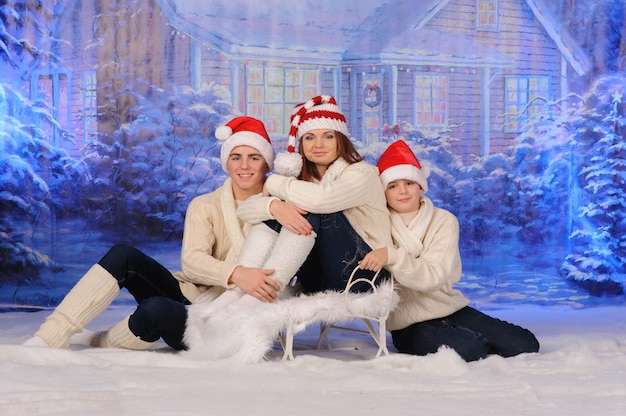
x: 247, y: 334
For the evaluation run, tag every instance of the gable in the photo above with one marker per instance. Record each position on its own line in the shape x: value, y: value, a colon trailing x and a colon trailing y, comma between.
x: 339, y: 31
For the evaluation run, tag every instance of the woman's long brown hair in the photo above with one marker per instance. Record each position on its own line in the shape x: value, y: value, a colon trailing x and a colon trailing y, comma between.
x: 345, y: 149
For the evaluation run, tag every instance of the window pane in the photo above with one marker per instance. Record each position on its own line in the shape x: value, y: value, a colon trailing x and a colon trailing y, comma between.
x: 274, y: 94
x: 255, y: 94
x: 292, y: 94
x: 255, y: 76
x: 274, y: 76
x: 90, y: 111
x: 255, y: 110
x: 308, y: 93
x: 311, y: 78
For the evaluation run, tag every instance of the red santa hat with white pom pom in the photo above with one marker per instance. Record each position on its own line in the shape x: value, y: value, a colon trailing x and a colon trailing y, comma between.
x: 244, y: 131
x: 319, y: 112
x: 399, y: 162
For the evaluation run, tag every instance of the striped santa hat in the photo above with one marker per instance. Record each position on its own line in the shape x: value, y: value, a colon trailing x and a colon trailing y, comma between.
x: 320, y: 112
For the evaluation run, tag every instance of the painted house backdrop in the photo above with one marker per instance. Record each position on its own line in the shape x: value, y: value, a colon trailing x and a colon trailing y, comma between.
x: 109, y: 110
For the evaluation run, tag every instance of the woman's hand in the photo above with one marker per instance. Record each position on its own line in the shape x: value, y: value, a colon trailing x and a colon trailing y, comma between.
x: 375, y: 259
x: 291, y: 217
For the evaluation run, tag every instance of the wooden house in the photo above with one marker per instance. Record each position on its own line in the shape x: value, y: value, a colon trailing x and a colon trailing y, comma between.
x: 479, y: 67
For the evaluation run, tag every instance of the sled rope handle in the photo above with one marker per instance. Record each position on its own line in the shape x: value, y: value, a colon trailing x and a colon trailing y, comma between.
x: 352, y: 282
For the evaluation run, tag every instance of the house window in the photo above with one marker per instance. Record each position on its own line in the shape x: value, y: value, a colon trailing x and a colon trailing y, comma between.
x: 90, y: 110
x: 51, y: 90
x: 431, y: 100
x: 272, y: 92
x: 524, y: 96
x: 372, y: 108
x: 487, y: 15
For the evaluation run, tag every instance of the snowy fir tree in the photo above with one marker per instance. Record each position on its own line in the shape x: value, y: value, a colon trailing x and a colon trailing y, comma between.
x: 24, y: 194
x: 541, y: 162
x: 599, y: 239
x: 146, y: 172
x: 37, y: 179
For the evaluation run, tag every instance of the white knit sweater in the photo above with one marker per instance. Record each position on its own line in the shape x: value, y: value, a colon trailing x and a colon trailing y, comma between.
x: 212, y: 239
x: 426, y: 263
x: 352, y: 188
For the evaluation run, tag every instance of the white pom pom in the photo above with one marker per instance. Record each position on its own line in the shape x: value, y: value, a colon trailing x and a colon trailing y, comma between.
x: 288, y: 164
x: 223, y: 132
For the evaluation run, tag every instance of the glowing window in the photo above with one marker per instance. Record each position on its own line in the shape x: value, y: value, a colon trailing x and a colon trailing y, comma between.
x: 524, y: 96
x: 431, y: 100
x: 487, y: 15
x: 272, y: 93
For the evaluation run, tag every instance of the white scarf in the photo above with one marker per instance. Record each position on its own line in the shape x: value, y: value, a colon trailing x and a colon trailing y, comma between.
x: 235, y: 231
x: 411, y: 237
x: 334, y: 170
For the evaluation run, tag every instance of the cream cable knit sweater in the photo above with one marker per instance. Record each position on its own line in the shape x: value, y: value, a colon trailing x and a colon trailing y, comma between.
x: 212, y: 239
x: 426, y: 263
x: 354, y: 189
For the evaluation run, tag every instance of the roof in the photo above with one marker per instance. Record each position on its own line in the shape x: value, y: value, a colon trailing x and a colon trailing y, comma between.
x: 333, y: 32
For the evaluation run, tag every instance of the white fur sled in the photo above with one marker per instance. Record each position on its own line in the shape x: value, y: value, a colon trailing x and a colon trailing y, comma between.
x: 246, y: 334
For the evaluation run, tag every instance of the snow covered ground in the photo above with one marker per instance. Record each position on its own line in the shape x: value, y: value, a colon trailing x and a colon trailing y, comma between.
x: 580, y: 370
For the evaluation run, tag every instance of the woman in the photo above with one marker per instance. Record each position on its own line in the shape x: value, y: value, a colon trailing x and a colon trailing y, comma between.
x: 426, y: 263
x: 212, y: 239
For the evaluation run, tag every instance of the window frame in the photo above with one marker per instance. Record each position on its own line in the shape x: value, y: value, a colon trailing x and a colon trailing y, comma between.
x: 487, y: 14
x: 528, y: 99
x: 430, y: 100
x: 58, y: 102
x: 372, y: 93
x: 89, y: 97
x: 273, y: 90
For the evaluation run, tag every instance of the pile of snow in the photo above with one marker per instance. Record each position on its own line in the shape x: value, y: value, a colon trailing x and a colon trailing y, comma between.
x: 580, y: 370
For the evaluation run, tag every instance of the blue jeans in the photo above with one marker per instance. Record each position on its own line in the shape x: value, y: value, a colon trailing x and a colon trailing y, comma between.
x: 335, y: 254
x: 161, y: 311
x: 160, y: 317
x: 471, y: 333
x: 140, y: 274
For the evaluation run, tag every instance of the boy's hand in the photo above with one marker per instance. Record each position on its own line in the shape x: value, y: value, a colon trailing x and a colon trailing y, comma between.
x: 375, y: 259
x: 256, y: 282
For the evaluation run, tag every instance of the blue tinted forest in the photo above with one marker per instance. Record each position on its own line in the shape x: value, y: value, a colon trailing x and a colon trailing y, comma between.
x: 549, y: 211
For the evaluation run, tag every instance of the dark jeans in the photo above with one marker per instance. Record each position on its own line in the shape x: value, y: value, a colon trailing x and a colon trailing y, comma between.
x: 471, y: 333
x: 161, y: 311
x: 335, y: 254
x: 160, y: 317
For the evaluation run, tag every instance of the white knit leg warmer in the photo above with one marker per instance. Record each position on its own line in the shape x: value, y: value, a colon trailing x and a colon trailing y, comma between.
x: 93, y: 293
x: 119, y: 336
x: 289, y: 253
x: 257, y: 246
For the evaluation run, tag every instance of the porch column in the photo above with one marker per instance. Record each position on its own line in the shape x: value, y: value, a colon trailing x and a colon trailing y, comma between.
x: 392, y: 97
x: 485, y: 137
